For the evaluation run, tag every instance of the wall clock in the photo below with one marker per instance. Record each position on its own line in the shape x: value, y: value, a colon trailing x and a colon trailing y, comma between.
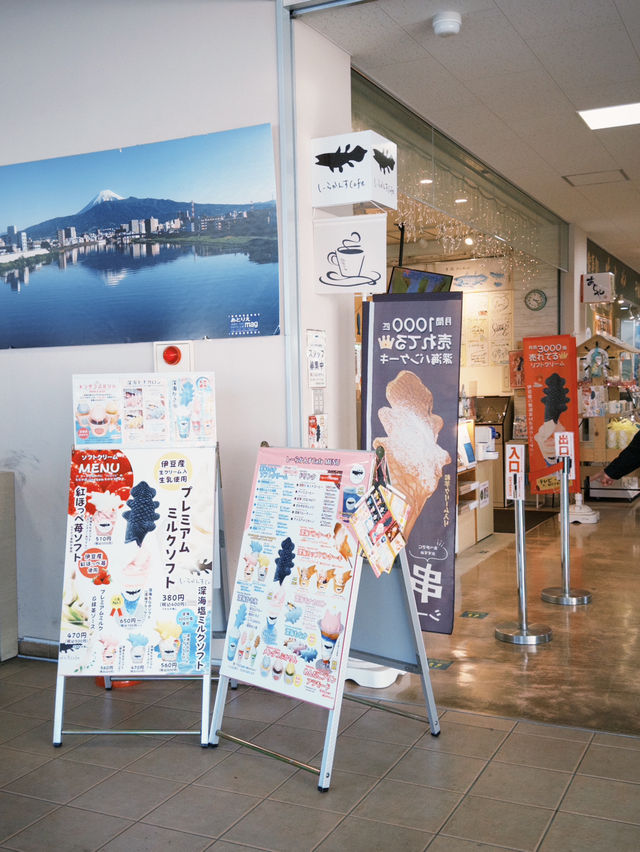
x: 535, y: 300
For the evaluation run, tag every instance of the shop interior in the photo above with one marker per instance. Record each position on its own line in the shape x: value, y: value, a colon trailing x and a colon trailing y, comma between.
x: 509, y: 257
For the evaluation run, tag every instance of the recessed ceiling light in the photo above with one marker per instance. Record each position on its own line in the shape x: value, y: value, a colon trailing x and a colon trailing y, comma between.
x: 468, y: 241
x: 613, y: 116
x: 461, y: 200
x: 426, y: 180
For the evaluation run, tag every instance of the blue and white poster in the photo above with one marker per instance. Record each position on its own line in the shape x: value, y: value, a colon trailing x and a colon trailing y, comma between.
x: 411, y: 368
x: 174, y: 240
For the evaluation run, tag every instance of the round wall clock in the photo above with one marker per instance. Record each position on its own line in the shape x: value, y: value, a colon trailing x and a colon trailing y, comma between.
x: 535, y: 300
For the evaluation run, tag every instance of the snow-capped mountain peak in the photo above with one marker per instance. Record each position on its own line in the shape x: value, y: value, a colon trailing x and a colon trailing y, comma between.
x: 100, y: 198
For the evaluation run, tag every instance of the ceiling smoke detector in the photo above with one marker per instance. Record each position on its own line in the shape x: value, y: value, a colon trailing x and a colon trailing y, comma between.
x: 446, y: 23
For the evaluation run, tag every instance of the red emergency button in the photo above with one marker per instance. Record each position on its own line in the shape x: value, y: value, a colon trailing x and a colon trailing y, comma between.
x: 172, y: 355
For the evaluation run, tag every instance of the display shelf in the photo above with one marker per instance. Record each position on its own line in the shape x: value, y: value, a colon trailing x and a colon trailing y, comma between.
x: 467, y: 486
x: 600, y: 366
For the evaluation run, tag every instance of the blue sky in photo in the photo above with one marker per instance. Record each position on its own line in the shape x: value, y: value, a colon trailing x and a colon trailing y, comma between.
x: 229, y: 167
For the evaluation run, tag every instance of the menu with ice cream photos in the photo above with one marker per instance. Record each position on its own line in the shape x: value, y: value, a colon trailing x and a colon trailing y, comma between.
x: 296, y: 585
x: 138, y: 563
x: 144, y: 410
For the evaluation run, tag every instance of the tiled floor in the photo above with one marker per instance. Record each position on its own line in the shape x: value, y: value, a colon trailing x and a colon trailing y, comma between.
x: 506, y: 772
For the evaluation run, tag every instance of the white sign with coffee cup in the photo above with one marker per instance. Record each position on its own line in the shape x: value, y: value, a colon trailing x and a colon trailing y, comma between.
x: 351, y: 254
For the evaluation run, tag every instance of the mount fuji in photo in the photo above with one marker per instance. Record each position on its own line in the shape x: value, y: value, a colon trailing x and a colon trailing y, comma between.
x: 108, y: 210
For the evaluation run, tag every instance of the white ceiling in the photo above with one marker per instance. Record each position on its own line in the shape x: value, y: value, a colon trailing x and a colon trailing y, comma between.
x: 507, y: 88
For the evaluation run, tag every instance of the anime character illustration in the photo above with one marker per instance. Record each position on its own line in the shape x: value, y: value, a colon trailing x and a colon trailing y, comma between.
x: 169, y: 640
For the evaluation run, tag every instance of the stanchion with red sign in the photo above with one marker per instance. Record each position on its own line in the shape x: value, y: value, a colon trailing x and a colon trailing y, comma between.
x: 565, y: 595
x: 519, y: 633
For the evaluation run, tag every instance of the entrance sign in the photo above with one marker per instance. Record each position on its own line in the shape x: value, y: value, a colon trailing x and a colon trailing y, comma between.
x: 296, y: 585
x: 411, y: 367
x: 551, y: 382
x: 514, y: 472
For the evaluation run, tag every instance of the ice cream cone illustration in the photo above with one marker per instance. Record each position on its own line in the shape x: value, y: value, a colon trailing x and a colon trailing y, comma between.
x: 414, y: 458
x: 135, y: 578
x: 106, y: 507
x: 330, y: 629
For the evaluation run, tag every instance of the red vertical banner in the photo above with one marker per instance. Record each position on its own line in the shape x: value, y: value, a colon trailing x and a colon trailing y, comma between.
x: 551, y: 382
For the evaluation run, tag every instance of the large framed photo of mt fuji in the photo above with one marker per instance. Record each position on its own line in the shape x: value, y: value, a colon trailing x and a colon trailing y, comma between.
x: 170, y: 240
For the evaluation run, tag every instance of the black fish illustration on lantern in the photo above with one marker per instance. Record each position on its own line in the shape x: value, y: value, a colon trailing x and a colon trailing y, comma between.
x: 387, y: 164
x: 338, y: 159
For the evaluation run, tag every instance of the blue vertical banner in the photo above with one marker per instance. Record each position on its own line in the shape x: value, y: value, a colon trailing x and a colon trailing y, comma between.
x: 411, y: 372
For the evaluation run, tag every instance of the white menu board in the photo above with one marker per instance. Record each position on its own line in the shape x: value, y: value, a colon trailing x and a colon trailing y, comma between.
x: 296, y: 585
x: 139, y: 563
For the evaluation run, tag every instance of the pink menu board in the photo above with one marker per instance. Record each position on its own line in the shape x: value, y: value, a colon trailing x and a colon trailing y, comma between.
x: 296, y: 585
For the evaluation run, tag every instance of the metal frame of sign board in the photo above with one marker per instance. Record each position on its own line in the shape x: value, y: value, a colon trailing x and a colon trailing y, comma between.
x: 402, y: 646
x: 219, y: 617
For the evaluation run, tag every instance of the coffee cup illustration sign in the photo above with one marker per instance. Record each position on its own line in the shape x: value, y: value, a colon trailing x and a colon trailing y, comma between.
x: 351, y: 269
x: 349, y: 256
x: 350, y: 253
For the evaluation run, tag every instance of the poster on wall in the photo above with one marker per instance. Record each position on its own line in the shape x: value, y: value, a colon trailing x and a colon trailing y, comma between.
x: 516, y: 369
x: 350, y: 254
x: 478, y: 275
x: 138, y: 563
x: 170, y: 240
x: 551, y: 383
x: 411, y: 371
x: 144, y: 410
x: 488, y: 327
x: 296, y: 585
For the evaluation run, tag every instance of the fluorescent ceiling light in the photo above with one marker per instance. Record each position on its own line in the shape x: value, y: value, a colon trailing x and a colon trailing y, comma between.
x: 461, y: 200
x: 426, y: 180
x: 613, y: 116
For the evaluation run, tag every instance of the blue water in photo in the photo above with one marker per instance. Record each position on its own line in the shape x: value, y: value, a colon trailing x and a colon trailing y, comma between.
x: 137, y: 292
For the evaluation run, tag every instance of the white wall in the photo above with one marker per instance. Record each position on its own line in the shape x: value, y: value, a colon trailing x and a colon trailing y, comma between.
x: 80, y: 77
x: 324, y: 110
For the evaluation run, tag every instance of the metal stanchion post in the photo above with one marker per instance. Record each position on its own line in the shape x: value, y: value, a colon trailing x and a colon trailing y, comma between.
x: 556, y: 594
x: 521, y: 633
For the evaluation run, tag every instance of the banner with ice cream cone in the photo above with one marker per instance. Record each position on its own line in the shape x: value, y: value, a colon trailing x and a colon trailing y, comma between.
x: 551, y: 383
x: 294, y: 599
x: 411, y: 368
x: 139, y: 562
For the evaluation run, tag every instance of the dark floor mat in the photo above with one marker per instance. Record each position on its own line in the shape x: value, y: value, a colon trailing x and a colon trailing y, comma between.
x: 504, y: 519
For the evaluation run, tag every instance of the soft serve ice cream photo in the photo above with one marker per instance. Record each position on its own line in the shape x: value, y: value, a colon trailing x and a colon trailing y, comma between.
x: 331, y: 627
